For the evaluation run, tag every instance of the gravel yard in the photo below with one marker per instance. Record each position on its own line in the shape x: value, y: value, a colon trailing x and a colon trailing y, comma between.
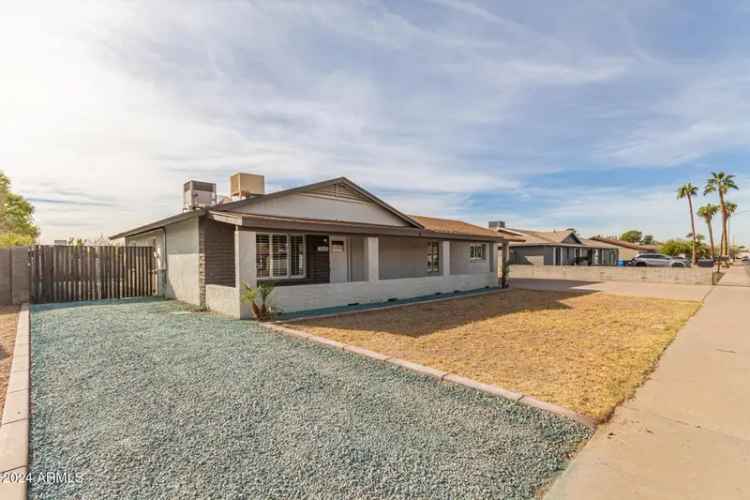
x: 144, y: 399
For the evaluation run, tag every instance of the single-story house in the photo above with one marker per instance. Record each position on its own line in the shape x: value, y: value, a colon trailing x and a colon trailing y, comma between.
x: 326, y: 244
x: 560, y: 248
x: 627, y: 250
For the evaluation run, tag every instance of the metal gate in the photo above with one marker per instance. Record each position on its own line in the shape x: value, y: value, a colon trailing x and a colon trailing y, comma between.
x: 74, y: 273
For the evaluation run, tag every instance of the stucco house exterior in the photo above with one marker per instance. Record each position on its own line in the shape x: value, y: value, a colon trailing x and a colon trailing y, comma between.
x: 560, y: 248
x: 326, y: 244
x: 627, y: 250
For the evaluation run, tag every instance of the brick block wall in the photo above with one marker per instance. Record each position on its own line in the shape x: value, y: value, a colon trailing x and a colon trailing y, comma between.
x: 219, y: 254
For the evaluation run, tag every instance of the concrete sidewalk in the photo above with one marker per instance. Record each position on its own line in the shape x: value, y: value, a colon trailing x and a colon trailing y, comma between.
x: 655, y: 290
x: 686, y: 433
x: 736, y: 275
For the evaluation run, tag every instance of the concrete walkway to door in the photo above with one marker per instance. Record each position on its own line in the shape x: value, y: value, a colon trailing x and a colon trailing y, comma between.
x: 686, y: 433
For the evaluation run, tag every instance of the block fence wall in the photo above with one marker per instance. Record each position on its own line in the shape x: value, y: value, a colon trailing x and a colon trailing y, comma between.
x: 15, y: 280
x: 674, y: 275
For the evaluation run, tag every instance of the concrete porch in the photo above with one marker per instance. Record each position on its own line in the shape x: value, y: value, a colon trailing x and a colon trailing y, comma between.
x: 331, y: 270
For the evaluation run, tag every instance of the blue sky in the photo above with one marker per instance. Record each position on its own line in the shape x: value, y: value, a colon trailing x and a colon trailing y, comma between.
x: 546, y: 114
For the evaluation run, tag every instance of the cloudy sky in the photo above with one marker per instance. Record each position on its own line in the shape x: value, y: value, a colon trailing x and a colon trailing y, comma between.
x: 543, y: 114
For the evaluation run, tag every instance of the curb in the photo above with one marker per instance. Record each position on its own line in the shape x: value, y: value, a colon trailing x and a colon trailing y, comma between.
x: 14, y: 430
x: 440, y: 375
x: 391, y: 306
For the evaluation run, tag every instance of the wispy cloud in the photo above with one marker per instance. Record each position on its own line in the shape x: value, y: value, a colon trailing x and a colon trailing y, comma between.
x: 448, y: 107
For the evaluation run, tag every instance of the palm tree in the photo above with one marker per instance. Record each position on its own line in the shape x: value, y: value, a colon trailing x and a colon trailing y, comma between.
x: 721, y: 183
x: 688, y: 191
x: 708, y: 211
x: 731, y: 209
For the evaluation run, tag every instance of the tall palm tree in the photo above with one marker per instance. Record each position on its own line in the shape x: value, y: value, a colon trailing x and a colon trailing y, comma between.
x: 688, y: 191
x: 731, y: 209
x: 707, y: 212
x: 721, y: 183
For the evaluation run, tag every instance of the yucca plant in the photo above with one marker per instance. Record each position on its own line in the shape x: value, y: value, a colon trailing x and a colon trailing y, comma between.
x: 505, y: 277
x: 263, y: 291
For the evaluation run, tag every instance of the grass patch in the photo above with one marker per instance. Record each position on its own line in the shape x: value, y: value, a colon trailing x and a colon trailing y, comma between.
x: 584, y: 351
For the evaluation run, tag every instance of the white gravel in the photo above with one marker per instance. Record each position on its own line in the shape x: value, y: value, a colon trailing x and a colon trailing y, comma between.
x: 144, y: 403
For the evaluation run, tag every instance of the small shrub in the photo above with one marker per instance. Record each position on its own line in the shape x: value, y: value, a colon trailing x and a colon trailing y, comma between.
x: 250, y: 296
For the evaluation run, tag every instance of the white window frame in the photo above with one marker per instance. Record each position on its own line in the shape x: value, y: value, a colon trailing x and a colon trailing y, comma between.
x: 472, y: 253
x: 288, y: 275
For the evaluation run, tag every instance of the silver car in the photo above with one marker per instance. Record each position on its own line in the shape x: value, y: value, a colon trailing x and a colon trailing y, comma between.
x: 658, y: 260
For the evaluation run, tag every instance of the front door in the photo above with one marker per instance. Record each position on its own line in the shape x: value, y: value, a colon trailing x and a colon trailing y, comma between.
x: 339, y: 259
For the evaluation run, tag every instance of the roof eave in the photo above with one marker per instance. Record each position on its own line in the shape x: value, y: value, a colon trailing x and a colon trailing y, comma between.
x: 265, y: 222
x: 158, y: 224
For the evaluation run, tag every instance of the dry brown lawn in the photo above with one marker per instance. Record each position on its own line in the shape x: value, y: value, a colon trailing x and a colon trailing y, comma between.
x: 584, y: 351
x: 8, y: 317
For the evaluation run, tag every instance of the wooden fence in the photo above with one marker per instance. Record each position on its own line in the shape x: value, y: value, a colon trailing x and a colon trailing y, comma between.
x: 73, y: 273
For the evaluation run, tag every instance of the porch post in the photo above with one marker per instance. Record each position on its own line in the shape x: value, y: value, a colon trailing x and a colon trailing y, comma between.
x: 244, y: 266
x: 493, y: 257
x: 372, y: 258
x: 445, y: 257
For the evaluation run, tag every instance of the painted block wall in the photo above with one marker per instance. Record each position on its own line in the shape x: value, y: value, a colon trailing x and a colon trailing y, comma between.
x: 689, y: 276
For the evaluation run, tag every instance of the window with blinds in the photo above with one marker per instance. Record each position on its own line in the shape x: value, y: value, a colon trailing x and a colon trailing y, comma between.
x: 433, y: 257
x: 297, y: 256
x: 280, y: 256
x: 263, y: 256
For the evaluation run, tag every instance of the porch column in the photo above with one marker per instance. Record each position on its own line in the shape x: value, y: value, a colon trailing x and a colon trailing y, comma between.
x: 372, y: 258
x: 244, y: 266
x: 445, y: 257
x: 493, y: 257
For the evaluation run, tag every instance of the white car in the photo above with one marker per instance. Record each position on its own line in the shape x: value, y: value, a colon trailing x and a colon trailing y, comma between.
x: 658, y: 260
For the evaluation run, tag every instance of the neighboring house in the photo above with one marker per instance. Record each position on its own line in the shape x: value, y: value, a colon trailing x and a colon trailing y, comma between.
x: 627, y: 250
x: 560, y: 248
x: 326, y: 244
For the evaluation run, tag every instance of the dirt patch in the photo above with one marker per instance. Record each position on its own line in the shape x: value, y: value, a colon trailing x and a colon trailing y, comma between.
x: 584, y: 351
x: 8, y: 319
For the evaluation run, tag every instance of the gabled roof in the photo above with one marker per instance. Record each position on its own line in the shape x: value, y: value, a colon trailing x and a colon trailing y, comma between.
x: 625, y: 244
x: 317, y: 186
x: 535, y: 238
x: 597, y: 244
x: 415, y: 225
x: 457, y: 227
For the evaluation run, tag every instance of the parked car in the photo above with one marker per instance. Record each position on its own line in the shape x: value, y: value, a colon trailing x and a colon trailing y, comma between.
x: 658, y: 260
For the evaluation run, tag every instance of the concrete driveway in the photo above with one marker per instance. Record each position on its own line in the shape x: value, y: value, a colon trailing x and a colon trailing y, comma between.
x: 655, y: 290
x: 686, y: 433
